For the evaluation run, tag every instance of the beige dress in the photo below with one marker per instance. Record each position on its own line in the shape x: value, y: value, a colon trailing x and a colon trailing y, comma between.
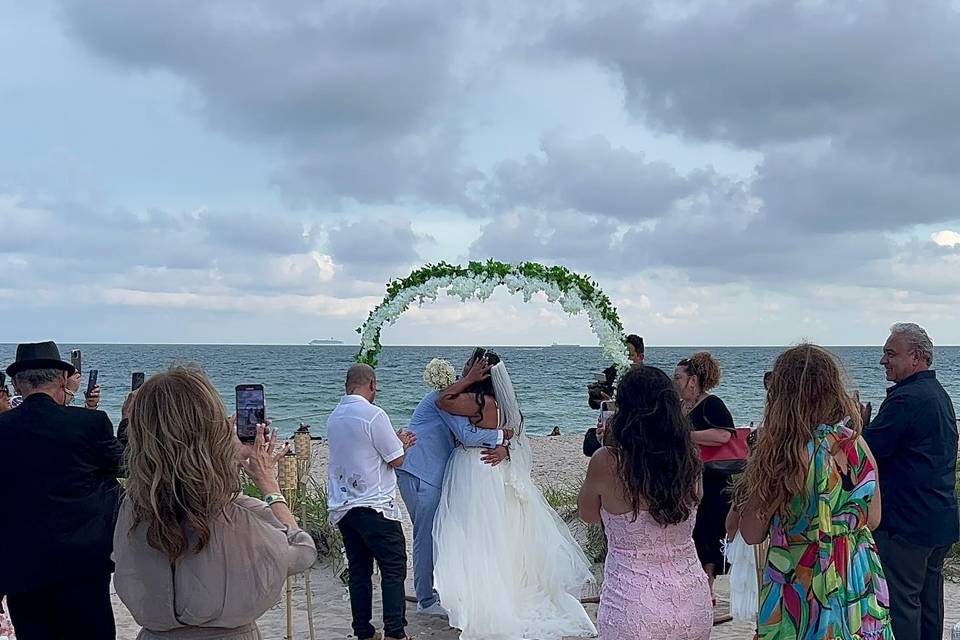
x: 216, y: 594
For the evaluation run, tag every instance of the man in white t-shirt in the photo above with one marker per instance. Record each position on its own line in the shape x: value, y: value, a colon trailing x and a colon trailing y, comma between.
x: 364, y: 451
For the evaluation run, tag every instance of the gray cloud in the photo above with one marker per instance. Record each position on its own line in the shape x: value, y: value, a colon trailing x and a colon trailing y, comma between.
x: 263, y: 233
x: 62, y: 242
x: 839, y: 192
x: 358, y: 95
x: 591, y: 176
x: 849, y: 102
x: 764, y: 71
x: 374, y: 246
x: 577, y: 240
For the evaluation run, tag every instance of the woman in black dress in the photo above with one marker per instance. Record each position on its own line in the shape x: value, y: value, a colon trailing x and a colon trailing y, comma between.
x: 713, y: 427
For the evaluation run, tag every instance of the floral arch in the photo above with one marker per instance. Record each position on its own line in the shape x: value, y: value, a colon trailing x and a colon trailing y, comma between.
x: 574, y: 292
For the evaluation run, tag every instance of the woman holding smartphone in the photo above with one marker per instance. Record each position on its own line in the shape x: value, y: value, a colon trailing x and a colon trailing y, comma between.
x: 185, y: 535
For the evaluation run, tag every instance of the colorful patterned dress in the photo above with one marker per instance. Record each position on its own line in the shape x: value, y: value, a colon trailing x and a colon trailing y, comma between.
x: 823, y: 578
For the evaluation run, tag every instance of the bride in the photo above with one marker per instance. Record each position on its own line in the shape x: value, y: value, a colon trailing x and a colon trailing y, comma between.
x: 506, y: 565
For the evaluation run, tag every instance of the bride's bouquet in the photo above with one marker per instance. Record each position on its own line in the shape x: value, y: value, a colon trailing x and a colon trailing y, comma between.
x: 439, y: 374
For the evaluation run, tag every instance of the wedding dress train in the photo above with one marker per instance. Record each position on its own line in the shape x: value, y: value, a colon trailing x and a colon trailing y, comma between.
x: 506, y: 567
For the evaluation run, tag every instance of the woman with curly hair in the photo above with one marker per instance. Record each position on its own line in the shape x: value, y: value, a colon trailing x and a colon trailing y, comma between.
x: 195, y: 559
x: 811, y: 485
x: 713, y: 427
x: 645, y: 487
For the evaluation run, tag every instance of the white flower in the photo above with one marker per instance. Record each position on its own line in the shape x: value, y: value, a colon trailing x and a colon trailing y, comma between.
x: 482, y: 287
x: 571, y: 303
x: 439, y: 374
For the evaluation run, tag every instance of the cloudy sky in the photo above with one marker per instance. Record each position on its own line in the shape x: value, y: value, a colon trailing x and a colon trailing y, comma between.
x: 251, y: 171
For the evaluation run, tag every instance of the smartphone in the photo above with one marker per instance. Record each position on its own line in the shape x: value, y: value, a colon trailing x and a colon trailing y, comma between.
x: 607, y: 409
x: 136, y: 380
x: 600, y: 377
x: 251, y: 410
x: 92, y: 380
x: 76, y: 360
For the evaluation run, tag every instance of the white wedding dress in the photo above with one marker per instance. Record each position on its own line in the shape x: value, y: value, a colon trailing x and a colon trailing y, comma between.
x: 506, y: 566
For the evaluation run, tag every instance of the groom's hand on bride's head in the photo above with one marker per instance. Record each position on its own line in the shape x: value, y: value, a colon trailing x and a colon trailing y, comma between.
x: 495, y: 456
x: 479, y: 370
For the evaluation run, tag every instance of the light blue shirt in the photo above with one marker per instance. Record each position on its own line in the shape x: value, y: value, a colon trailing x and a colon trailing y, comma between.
x: 437, y: 434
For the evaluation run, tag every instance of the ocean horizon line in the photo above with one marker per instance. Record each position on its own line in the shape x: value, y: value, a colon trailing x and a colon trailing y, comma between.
x: 451, y: 346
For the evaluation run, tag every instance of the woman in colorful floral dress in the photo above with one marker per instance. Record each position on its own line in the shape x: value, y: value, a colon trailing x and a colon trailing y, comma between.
x: 812, y: 486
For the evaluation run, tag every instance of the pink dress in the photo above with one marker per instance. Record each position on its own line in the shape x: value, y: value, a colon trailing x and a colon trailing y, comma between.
x: 653, y: 584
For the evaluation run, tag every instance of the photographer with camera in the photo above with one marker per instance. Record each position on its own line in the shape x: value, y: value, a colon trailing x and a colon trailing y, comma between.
x: 598, y: 392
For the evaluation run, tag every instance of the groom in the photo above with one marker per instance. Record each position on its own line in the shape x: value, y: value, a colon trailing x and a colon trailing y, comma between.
x: 421, y: 477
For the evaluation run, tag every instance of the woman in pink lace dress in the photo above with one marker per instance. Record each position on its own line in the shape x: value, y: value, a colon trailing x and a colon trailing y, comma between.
x: 645, y: 487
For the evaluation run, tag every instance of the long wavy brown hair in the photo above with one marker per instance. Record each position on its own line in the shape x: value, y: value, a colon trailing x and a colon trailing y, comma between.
x: 807, y: 389
x: 657, y: 460
x: 181, y: 459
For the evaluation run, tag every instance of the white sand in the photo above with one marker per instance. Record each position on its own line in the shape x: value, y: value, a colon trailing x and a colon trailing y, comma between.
x: 556, y: 460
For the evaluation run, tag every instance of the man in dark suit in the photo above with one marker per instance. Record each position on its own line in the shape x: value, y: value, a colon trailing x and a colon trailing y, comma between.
x: 59, y: 472
x: 914, y: 440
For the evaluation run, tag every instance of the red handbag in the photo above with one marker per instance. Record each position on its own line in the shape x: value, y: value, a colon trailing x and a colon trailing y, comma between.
x: 730, y: 456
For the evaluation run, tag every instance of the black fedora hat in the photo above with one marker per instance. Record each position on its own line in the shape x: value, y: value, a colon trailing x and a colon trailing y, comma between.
x: 39, y: 355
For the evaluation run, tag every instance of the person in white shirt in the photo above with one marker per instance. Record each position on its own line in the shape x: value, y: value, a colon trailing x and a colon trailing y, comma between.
x: 364, y: 451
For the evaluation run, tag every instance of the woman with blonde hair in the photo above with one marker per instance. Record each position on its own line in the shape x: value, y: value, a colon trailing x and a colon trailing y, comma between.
x: 196, y: 559
x: 811, y: 485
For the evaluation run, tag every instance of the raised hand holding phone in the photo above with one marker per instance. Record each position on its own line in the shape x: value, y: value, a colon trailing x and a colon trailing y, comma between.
x: 92, y: 394
x: 136, y: 380
x: 251, y: 410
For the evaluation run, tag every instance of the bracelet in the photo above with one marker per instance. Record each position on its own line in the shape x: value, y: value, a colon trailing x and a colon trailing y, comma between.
x: 273, y: 498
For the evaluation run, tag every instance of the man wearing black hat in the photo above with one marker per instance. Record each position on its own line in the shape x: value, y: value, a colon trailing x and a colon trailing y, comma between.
x: 58, y: 475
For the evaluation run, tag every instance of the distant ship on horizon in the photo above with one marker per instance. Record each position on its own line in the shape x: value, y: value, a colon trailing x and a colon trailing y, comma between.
x: 316, y: 343
x: 564, y: 345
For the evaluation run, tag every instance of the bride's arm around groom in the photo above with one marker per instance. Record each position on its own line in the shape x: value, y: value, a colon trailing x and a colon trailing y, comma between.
x: 421, y: 477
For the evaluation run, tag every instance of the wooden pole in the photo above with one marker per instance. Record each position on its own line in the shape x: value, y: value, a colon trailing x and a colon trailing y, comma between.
x: 287, y: 477
x: 303, y: 446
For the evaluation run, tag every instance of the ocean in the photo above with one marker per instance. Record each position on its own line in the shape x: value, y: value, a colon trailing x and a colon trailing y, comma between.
x: 304, y: 383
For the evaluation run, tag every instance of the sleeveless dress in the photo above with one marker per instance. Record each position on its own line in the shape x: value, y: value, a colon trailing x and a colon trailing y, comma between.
x: 653, y: 585
x: 506, y: 565
x: 823, y: 577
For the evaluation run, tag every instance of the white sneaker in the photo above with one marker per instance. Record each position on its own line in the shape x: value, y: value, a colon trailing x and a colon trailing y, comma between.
x: 433, y: 610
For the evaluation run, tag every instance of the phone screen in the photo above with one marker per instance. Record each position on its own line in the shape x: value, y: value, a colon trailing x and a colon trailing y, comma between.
x: 607, y: 409
x: 76, y: 360
x: 251, y: 410
x: 136, y: 380
x: 92, y: 380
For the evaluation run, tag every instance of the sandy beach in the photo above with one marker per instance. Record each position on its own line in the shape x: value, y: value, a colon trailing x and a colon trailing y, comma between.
x: 557, y: 460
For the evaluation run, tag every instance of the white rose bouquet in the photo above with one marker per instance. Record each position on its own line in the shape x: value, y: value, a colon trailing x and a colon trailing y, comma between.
x: 439, y: 374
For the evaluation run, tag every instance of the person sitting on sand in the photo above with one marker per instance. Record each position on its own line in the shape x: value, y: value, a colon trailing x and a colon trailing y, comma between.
x: 196, y: 558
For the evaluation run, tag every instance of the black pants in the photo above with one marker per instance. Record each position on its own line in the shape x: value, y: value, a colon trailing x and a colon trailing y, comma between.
x: 915, y: 580
x: 368, y: 536
x: 79, y: 608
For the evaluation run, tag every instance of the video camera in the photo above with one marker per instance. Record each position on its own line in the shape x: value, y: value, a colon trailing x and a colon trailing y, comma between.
x: 602, y: 388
